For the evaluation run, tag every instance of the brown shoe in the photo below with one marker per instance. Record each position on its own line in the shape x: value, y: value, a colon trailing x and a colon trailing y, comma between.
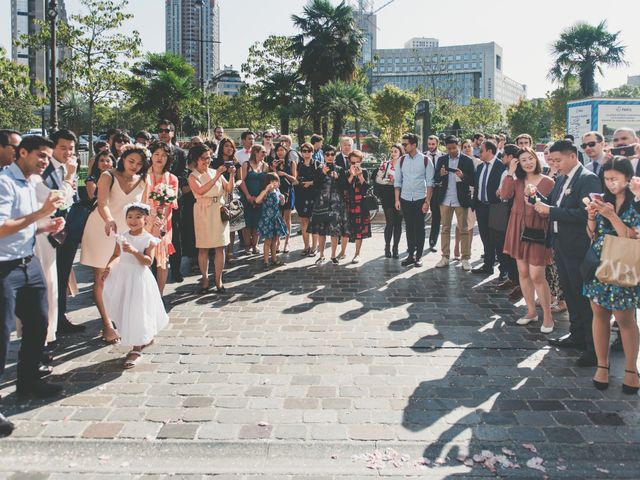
x: 515, y: 294
x: 508, y: 284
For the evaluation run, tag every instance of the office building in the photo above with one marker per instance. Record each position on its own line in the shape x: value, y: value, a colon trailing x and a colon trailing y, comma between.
x: 184, y: 35
x: 458, y: 72
x: 227, y: 81
x: 23, y: 16
x: 422, y: 42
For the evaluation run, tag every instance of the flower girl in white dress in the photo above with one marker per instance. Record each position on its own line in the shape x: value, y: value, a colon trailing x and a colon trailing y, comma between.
x: 131, y: 294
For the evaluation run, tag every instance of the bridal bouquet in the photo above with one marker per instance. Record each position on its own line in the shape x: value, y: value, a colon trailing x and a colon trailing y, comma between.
x: 162, y: 194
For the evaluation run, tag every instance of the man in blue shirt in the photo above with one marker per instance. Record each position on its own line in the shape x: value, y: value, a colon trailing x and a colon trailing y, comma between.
x: 413, y: 184
x: 23, y: 290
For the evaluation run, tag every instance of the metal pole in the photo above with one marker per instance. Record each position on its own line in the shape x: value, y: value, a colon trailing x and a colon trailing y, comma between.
x: 52, y: 13
x: 201, y: 3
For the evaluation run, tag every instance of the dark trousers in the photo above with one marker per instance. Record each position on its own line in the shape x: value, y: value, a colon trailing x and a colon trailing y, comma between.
x: 507, y: 265
x: 434, y: 207
x: 65, y: 255
x: 488, y: 239
x: 175, y: 259
x: 393, y: 227
x: 580, y: 314
x: 414, y: 221
x: 23, y: 293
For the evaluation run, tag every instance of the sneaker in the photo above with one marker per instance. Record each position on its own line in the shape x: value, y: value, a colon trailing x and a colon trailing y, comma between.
x: 356, y: 259
x: 320, y: 261
x: 418, y: 262
x: 408, y: 261
x: 526, y: 321
x: 444, y: 262
x: 466, y: 266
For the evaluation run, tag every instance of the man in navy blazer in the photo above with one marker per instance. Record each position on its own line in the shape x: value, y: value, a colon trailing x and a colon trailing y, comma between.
x: 489, y: 175
x: 570, y: 242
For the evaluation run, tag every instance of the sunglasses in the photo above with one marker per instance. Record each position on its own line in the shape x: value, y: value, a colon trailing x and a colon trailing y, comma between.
x: 164, y: 130
x: 589, y: 144
x: 267, y: 136
x: 329, y: 154
x: 405, y: 145
x: 305, y: 150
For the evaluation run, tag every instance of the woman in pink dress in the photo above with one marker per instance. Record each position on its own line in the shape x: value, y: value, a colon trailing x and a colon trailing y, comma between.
x: 526, y: 185
x: 161, y: 158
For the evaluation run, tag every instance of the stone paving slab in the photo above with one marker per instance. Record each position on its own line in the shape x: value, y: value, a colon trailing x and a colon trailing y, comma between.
x: 427, y: 360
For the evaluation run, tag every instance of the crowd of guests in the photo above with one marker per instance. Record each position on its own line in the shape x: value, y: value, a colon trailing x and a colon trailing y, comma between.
x: 148, y: 203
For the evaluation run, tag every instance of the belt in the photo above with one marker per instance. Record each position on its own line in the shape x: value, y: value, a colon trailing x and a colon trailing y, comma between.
x: 9, y: 264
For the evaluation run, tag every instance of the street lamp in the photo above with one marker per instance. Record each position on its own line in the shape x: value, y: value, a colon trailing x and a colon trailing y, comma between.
x: 52, y: 14
x: 200, y: 3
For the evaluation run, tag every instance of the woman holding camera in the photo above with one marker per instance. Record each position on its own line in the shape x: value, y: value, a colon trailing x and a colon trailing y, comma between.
x: 357, y: 186
x: 329, y: 216
x: 285, y: 168
x: 209, y: 187
x: 227, y: 156
x: 305, y: 196
x: 525, y: 239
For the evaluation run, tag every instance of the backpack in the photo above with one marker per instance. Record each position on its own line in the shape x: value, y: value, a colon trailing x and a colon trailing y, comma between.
x: 426, y: 161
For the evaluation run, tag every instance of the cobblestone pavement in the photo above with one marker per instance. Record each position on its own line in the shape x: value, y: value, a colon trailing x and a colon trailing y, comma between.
x: 326, y: 372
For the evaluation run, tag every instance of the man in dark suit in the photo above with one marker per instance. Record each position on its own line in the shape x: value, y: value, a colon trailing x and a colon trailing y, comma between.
x: 342, y: 158
x: 62, y: 168
x: 166, y: 133
x: 488, y: 178
x: 568, y: 235
x: 455, y: 172
x: 434, y: 154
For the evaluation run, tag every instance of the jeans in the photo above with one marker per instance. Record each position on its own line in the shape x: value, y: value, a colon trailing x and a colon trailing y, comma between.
x: 393, y: 227
x: 23, y: 293
x: 414, y: 221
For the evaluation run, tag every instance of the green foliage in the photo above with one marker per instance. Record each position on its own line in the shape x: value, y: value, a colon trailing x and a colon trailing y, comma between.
x: 481, y: 115
x: 341, y: 100
x: 162, y: 85
x: 557, y: 105
x: 393, y: 109
x: 625, y: 91
x: 582, y: 50
x: 16, y: 101
x: 275, y: 68
x: 530, y: 116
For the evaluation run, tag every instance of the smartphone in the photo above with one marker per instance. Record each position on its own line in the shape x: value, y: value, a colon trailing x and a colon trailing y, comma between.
x: 626, y: 151
x: 452, y: 170
x: 596, y: 196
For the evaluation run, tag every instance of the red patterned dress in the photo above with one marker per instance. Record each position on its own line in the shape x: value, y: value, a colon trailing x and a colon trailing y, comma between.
x: 359, y: 221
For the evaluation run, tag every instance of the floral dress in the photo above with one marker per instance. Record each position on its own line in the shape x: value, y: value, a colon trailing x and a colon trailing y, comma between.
x: 271, y: 224
x: 613, y: 297
x: 330, y: 196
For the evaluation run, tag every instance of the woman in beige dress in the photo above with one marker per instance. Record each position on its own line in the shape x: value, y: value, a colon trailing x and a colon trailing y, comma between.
x: 210, y: 189
x: 116, y: 188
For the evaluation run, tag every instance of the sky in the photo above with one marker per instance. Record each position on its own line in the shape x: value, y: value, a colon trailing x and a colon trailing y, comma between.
x: 525, y: 30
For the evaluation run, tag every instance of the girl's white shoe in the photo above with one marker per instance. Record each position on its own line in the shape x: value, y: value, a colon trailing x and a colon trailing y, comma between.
x: 544, y: 329
x: 526, y: 321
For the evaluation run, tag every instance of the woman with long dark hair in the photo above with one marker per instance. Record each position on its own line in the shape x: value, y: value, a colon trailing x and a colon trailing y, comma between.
x: 283, y: 166
x: 385, y: 190
x: 102, y: 162
x: 227, y: 154
x: 305, y: 196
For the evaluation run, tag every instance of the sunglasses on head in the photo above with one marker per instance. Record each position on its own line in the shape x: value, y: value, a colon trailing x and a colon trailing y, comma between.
x: 164, y: 130
x: 589, y: 144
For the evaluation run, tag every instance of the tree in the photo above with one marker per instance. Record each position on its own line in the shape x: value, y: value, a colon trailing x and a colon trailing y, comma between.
x: 557, y: 104
x: 625, y: 91
x: 17, y: 104
x: 329, y: 45
x: 96, y: 67
x: 584, y: 49
x: 341, y: 100
x: 162, y: 85
x: 530, y: 116
x: 275, y: 67
x: 392, y: 109
x: 481, y: 115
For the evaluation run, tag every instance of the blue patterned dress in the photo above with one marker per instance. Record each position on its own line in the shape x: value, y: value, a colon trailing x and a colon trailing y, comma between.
x: 271, y: 224
x: 613, y: 297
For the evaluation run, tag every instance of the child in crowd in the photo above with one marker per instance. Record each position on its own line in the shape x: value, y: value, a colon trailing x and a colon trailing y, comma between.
x: 131, y: 295
x: 271, y: 225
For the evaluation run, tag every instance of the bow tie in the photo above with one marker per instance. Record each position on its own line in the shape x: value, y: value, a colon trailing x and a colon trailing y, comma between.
x: 247, y: 151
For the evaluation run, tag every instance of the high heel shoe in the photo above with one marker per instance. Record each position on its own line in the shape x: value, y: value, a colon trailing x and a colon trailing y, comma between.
x: 628, y: 389
x: 601, y: 385
x: 395, y: 253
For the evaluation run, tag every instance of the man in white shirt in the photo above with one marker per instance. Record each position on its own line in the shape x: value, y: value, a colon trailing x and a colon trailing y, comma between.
x: 247, y: 138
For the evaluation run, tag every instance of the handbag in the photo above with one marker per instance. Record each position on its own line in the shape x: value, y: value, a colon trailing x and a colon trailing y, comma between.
x: 534, y: 235
x: 370, y: 203
x: 619, y: 262
x: 499, y: 216
x: 589, y: 265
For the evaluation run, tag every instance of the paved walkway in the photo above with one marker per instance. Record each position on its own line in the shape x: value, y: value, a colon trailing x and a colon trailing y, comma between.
x: 331, y: 372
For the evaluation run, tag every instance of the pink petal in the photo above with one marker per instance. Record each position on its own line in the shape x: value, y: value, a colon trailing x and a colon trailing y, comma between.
x: 508, y: 452
x: 531, y: 447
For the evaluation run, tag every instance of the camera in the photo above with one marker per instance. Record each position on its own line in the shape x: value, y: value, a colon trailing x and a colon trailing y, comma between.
x: 331, y: 167
x: 228, y: 164
x: 625, y: 151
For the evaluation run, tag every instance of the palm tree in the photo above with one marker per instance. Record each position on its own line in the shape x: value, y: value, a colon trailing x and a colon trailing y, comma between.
x: 584, y: 49
x: 342, y: 100
x: 329, y: 45
x: 162, y: 84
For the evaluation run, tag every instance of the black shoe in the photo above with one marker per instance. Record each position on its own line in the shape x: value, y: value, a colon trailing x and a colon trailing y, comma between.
x: 587, y: 359
x: 51, y: 347
x: 44, y: 370
x: 395, y: 253
x: 432, y: 248
x: 387, y: 252
x: 568, y: 341
x: 482, y: 271
x: 616, y: 346
x: 335, y: 261
x: 627, y: 389
x: 418, y: 262
x: 601, y: 385
x: 6, y: 427
x: 408, y: 261
x: 66, y: 327
x: 39, y: 389
x: 178, y: 278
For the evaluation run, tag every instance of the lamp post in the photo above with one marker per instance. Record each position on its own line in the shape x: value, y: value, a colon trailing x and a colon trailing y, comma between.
x: 201, y: 4
x: 52, y: 14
